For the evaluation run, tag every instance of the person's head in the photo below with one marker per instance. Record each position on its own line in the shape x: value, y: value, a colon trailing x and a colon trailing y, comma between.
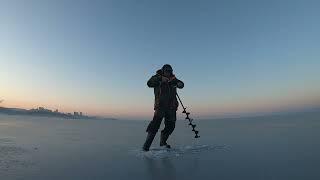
x: 167, y: 70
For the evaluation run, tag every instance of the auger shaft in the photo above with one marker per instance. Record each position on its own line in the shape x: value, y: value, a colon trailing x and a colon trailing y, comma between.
x: 188, y: 118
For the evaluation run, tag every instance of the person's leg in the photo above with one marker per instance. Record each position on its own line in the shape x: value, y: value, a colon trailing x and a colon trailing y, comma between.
x: 153, y: 128
x: 148, y: 142
x: 170, y: 122
x: 154, y: 125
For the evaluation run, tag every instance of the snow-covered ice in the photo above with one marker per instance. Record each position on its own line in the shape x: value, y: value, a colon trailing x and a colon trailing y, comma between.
x: 162, y: 152
x: 275, y: 147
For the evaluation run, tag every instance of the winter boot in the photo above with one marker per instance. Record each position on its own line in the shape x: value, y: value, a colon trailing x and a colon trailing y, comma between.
x: 163, y: 140
x: 148, y: 142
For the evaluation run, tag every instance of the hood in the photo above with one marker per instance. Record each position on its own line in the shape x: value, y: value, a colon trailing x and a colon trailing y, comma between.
x: 159, y: 72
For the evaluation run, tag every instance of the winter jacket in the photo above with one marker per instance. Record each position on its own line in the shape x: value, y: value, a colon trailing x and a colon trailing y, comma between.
x: 165, y: 93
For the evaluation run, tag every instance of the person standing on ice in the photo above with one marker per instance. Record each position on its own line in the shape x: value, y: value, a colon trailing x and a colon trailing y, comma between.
x: 165, y: 86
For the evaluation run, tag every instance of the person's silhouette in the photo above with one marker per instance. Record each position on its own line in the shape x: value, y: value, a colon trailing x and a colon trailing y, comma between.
x: 165, y: 86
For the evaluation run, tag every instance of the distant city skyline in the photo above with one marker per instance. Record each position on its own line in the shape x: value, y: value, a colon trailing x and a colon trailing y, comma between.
x: 44, y: 112
x: 235, y: 57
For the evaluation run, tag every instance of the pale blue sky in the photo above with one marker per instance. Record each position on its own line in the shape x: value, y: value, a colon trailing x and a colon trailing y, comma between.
x: 235, y: 57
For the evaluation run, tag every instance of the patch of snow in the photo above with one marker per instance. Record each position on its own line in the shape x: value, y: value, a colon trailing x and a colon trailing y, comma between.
x: 162, y: 152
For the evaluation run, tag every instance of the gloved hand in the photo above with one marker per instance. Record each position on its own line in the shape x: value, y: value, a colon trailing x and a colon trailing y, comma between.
x: 172, y: 78
x: 173, y: 81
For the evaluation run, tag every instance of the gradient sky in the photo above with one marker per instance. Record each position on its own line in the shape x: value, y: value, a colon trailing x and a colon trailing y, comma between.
x: 235, y: 57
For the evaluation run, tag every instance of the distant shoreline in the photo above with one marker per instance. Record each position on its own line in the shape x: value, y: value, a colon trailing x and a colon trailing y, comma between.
x: 42, y: 112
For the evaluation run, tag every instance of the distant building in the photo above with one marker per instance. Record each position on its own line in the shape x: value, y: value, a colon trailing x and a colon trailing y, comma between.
x: 56, y: 111
x: 75, y: 113
x: 42, y: 109
x: 80, y: 113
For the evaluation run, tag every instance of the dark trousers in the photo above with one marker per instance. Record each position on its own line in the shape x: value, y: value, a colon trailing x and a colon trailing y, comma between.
x: 169, y: 116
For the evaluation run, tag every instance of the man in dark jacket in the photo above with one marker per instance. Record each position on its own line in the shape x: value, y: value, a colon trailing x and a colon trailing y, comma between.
x: 165, y: 86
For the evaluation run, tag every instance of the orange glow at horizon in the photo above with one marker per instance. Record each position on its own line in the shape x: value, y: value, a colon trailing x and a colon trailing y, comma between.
x: 219, y: 109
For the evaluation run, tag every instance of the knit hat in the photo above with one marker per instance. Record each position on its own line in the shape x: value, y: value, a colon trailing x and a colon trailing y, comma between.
x: 166, y: 67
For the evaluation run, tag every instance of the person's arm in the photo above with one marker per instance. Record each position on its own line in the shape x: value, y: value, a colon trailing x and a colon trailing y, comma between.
x: 176, y: 82
x: 180, y: 84
x: 154, y: 81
